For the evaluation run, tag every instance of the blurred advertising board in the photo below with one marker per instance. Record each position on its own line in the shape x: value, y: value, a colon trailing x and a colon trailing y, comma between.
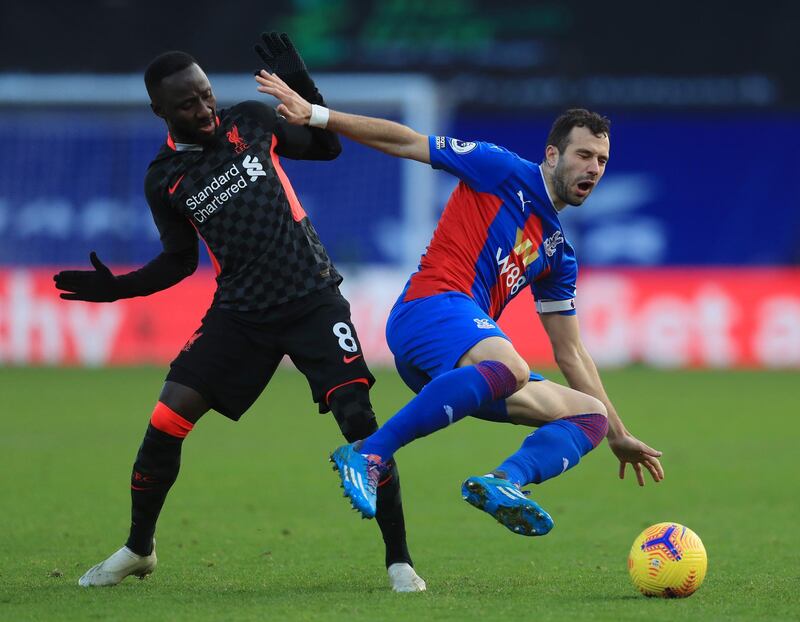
x: 71, y: 181
x: 661, y: 317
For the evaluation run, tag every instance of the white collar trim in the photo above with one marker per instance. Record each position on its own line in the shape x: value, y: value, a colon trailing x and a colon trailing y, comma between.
x: 187, y: 147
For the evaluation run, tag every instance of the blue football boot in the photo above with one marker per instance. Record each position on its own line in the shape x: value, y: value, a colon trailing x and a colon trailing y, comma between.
x: 360, y: 475
x: 507, y: 503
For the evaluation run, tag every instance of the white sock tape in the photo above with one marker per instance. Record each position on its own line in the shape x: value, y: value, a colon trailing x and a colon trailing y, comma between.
x: 319, y: 116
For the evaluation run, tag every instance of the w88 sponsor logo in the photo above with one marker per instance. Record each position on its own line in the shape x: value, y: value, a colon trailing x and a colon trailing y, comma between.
x: 511, y: 273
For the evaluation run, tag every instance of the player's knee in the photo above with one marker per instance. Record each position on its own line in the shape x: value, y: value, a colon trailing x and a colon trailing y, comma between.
x: 166, y: 420
x: 520, y: 369
x: 577, y: 403
x: 504, y: 376
x: 595, y: 406
x: 183, y: 400
x: 352, y: 410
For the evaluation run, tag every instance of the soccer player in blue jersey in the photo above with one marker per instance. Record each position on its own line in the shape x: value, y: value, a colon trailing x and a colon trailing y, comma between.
x: 499, y: 233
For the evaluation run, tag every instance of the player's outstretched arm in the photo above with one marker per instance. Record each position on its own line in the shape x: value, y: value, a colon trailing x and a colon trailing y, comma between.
x: 579, y: 369
x: 387, y: 136
x: 100, y: 285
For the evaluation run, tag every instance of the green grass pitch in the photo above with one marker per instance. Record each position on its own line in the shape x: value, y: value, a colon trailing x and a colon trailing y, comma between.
x: 256, y: 528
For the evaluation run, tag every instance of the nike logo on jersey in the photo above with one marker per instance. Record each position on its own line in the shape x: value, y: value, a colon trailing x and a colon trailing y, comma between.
x: 172, y: 189
x: 350, y: 359
x: 522, y: 199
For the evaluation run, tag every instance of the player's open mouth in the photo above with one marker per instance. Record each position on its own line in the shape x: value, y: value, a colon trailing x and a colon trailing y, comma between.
x: 585, y: 187
x: 208, y: 127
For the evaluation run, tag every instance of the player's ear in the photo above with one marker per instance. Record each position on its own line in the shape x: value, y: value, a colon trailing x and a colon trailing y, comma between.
x: 551, y: 155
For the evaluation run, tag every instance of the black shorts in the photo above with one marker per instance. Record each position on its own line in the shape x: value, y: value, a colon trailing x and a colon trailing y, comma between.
x: 233, y: 355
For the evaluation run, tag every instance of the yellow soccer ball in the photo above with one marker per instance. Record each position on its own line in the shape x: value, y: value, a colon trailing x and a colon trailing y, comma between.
x: 667, y: 560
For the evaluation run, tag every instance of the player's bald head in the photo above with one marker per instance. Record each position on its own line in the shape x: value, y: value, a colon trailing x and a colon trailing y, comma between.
x: 163, y: 66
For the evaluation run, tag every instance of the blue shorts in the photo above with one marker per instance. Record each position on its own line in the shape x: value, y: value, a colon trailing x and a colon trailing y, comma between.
x: 429, y: 335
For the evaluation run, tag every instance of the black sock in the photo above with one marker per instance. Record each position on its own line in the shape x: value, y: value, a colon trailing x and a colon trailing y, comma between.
x: 390, y: 518
x: 353, y: 412
x: 154, y: 472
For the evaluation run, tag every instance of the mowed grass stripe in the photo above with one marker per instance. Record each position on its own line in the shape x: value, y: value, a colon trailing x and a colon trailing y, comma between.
x: 256, y: 527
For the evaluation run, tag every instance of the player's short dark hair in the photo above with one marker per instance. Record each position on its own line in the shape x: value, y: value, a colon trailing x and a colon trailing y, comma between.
x: 165, y: 65
x: 576, y: 117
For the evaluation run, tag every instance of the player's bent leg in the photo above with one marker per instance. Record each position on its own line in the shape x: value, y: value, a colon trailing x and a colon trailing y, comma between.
x: 571, y: 425
x: 448, y: 398
x: 445, y: 400
x: 154, y: 471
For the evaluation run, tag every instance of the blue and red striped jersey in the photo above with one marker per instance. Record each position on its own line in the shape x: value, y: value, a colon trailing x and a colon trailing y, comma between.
x: 498, y: 233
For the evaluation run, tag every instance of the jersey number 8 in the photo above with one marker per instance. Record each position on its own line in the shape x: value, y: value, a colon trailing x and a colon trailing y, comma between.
x: 346, y: 340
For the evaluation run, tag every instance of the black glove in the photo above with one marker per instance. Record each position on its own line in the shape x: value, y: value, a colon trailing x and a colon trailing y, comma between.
x: 280, y: 55
x: 97, y: 285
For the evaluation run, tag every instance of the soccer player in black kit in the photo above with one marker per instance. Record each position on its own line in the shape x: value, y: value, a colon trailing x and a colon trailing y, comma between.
x: 219, y: 177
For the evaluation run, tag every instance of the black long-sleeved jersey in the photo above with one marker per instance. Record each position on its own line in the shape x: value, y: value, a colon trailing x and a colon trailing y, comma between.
x: 235, y: 195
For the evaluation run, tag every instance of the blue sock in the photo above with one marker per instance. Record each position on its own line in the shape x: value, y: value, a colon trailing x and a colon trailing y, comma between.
x: 444, y: 400
x: 554, y: 448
